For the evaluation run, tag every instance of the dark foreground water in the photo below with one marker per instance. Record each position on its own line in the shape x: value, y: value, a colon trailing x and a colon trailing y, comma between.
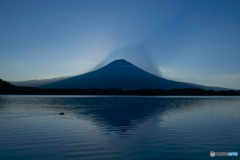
x: 121, y: 128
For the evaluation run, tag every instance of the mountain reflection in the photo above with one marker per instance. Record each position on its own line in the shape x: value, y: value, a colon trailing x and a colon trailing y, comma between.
x: 113, y: 113
x: 121, y: 118
x: 127, y: 114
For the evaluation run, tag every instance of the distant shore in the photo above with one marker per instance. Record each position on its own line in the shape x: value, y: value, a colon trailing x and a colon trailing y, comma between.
x: 8, y: 89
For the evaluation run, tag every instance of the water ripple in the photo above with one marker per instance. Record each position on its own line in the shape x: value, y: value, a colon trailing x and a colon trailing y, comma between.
x: 117, y: 127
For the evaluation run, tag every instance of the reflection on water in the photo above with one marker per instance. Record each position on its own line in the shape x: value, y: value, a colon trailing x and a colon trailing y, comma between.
x: 101, y: 127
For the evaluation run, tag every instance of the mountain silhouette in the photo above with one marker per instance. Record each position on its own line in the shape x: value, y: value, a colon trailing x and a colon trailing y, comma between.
x: 118, y: 74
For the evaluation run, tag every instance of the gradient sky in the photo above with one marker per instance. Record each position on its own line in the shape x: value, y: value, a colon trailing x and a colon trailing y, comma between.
x: 194, y: 41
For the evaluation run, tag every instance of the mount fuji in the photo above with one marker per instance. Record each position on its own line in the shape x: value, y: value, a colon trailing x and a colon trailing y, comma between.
x: 120, y: 74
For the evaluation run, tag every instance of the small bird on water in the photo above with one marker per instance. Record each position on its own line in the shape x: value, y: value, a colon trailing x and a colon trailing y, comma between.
x: 61, y: 113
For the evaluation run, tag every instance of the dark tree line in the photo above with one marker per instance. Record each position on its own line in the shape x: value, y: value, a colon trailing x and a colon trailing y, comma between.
x: 7, y: 88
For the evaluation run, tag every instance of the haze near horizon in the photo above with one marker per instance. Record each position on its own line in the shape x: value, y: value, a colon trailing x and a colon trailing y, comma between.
x: 190, y: 41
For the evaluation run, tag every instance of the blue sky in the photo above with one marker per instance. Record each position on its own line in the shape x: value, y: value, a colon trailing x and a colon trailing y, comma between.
x: 194, y: 41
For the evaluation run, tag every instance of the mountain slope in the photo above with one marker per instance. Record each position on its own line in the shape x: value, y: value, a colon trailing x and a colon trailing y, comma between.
x: 36, y: 83
x: 117, y: 74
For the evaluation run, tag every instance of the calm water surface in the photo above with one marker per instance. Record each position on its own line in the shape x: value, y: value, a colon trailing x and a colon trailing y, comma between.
x: 118, y: 128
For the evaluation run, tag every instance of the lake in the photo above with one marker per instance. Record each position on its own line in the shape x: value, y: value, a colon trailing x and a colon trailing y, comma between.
x: 118, y: 127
